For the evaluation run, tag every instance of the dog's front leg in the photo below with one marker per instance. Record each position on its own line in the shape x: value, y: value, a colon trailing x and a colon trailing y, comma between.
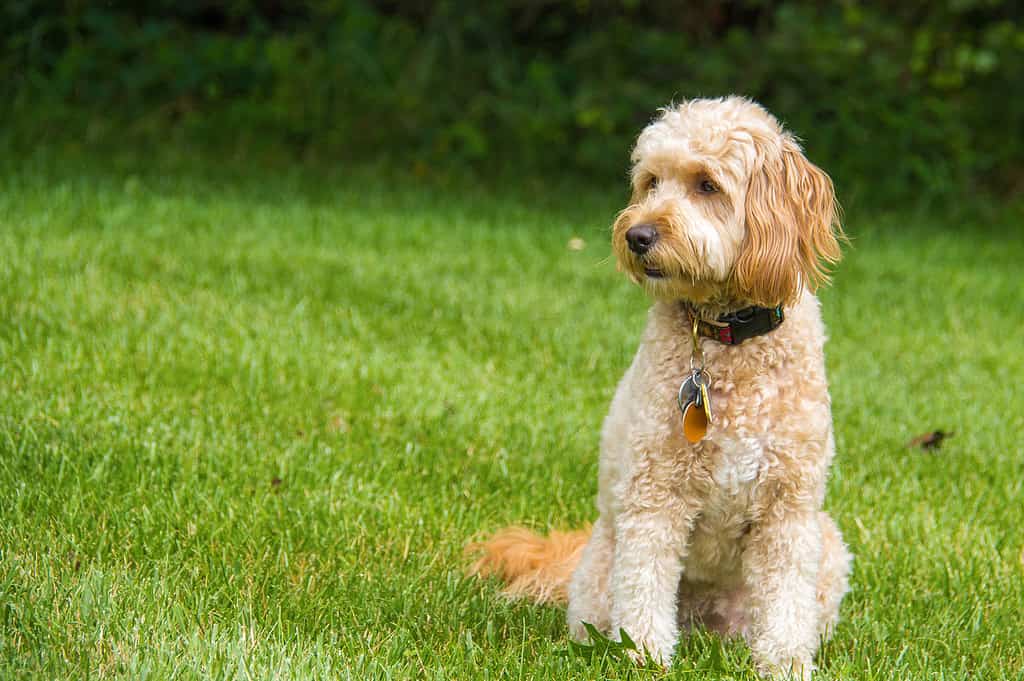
x: 650, y: 543
x: 780, y: 566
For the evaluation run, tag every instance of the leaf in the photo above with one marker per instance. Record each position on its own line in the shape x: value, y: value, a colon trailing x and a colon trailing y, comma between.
x: 600, y: 646
x: 626, y: 642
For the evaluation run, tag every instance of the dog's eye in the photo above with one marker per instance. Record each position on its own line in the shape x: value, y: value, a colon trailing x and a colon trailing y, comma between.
x: 708, y: 187
x: 652, y: 183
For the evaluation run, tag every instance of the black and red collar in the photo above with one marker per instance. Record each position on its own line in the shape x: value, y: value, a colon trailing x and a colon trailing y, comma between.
x: 736, y: 327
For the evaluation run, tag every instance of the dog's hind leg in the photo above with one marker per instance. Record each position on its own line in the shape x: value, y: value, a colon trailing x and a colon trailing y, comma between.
x: 833, y: 576
x: 589, y: 597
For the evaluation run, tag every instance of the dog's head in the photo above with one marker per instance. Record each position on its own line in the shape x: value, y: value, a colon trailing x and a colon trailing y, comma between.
x: 725, y: 209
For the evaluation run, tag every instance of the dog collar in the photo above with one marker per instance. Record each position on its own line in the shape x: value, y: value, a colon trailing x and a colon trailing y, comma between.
x: 736, y: 327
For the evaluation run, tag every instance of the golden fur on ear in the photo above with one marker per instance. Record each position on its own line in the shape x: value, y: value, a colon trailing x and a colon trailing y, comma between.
x: 793, y: 231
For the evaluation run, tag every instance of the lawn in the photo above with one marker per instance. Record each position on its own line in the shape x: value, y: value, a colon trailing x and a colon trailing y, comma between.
x: 250, y: 412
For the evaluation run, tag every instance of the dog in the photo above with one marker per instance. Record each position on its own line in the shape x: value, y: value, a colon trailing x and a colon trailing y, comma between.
x: 716, y: 449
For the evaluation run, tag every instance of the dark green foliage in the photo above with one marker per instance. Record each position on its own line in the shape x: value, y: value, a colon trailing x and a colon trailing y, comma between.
x: 915, y: 95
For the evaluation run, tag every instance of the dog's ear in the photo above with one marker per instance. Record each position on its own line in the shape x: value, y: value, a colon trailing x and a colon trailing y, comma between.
x: 792, y: 227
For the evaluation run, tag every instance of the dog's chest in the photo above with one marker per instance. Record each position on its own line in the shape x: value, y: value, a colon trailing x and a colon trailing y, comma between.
x: 726, y: 512
x: 735, y: 464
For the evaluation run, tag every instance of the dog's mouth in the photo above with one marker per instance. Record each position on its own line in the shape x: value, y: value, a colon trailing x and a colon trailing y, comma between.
x: 654, y: 273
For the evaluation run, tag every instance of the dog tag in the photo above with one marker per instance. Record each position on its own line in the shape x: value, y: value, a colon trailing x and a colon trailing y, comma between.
x: 705, y: 401
x: 688, y: 392
x: 695, y: 405
x: 695, y: 422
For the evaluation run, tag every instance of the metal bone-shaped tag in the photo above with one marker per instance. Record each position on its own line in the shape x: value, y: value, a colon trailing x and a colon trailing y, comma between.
x: 695, y: 404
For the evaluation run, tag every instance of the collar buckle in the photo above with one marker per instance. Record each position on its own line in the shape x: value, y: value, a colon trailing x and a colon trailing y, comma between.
x: 736, y: 327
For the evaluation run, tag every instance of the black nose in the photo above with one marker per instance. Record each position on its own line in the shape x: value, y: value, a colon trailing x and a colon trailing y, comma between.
x: 641, y: 237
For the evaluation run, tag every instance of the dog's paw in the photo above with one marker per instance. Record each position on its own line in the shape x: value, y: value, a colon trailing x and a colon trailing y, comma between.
x: 578, y: 631
x: 643, y: 658
x: 638, y: 657
x: 792, y: 670
x: 647, y: 652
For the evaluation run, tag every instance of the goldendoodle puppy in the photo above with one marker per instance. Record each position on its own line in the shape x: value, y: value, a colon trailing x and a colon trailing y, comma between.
x: 715, y: 453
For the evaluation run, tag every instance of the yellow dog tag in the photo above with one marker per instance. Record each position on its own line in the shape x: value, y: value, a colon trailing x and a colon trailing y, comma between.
x: 695, y: 404
x: 695, y: 422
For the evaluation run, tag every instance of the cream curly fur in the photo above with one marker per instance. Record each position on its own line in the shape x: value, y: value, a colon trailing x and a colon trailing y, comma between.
x: 728, y: 532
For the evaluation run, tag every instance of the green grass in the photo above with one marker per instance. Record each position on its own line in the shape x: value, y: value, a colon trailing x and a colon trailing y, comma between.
x: 250, y: 412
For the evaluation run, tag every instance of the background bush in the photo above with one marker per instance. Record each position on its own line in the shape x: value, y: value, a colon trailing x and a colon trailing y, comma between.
x: 912, y: 96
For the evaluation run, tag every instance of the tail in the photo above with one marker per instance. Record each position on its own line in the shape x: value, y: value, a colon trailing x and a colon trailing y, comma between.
x: 532, y: 566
